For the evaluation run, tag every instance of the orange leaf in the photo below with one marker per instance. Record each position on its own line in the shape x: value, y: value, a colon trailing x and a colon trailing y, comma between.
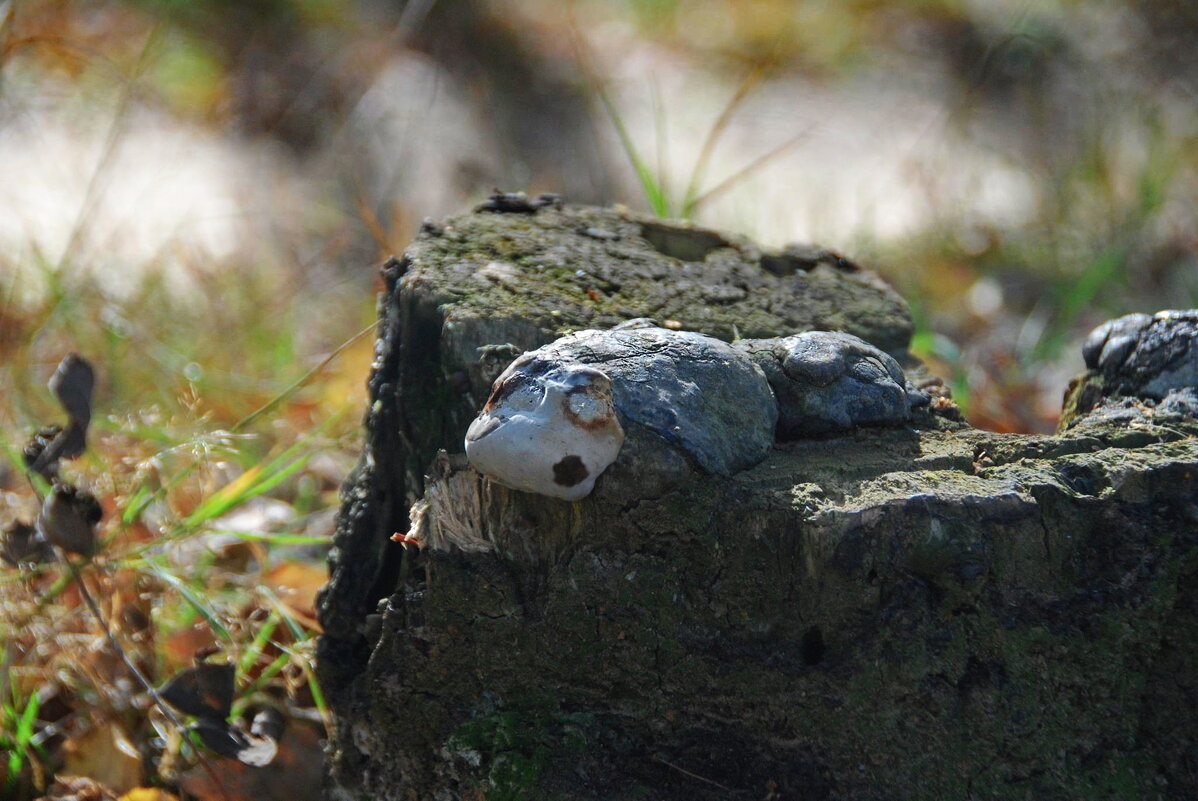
x: 148, y: 794
x: 297, y: 585
x: 106, y: 755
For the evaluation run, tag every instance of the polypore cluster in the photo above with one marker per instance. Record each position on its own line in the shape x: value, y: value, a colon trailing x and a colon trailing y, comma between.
x: 559, y: 416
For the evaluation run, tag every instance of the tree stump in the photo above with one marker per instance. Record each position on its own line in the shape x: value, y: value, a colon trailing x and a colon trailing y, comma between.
x: 927, y: 612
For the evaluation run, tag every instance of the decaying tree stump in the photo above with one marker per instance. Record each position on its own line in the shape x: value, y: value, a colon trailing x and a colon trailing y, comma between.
x: 926, y: 612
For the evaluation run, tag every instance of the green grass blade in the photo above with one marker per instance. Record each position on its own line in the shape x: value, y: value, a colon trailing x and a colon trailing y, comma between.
x: 269, y: 672
x: 276, y: 539
x: 322, y: 706
x: 209, y: 615
x: 136, y: 504
x: 26, y: 722
x: 654, y: 193
x: 258, y: 643
x: 659, y: 124
x: 693, y: 203
x: 300, y: 382
x: 743, y: 91
x: 16, y: 760
x: 250, y: 485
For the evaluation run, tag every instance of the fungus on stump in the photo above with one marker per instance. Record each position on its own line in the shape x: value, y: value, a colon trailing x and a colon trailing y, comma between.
x: 925, y: 612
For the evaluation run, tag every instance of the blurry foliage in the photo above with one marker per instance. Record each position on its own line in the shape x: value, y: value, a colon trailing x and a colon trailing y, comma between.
x: 190, y: 558
x: 225, y: 419
x: 188, y: 75
x: 822, y: 38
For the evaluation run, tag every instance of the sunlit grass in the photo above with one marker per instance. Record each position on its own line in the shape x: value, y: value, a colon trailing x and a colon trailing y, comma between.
x: 209, y: 402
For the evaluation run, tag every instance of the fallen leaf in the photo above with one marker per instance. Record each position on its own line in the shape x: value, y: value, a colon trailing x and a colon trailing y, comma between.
x: 180, y: 647
x: 297, y: 585
x: 106, y: 755
x: 148, y: 794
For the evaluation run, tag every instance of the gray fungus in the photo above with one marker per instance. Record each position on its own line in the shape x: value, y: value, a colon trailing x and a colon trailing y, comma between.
x: 1147, y: 356
x: 560, y: 415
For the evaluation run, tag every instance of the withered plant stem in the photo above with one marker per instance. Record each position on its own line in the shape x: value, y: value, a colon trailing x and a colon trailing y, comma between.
x: 150, y: 689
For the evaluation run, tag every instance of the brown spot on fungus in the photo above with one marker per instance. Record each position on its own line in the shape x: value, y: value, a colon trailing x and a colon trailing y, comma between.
x: 569, y: 471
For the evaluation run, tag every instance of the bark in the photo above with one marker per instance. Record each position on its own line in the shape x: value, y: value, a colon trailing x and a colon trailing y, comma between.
x: 922, y: 612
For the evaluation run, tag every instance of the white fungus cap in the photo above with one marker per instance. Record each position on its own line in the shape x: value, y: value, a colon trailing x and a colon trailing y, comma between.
x: 552, y: 434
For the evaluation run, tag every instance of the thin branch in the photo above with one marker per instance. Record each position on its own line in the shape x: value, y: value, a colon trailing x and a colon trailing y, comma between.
x: 271, y: 404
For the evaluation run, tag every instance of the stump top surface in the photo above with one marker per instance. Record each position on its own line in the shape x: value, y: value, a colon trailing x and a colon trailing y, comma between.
x: 570, y: 267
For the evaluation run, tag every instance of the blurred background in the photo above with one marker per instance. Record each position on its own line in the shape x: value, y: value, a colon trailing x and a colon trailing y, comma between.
x: 196, y: 195
x: 1020, y: 169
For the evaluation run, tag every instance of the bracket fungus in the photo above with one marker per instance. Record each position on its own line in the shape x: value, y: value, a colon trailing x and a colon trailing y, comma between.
x: 1146, y: 355
x: 1142, y: 369
x: 829, y: 381
x: 547, y: 428
x: 558, y: 416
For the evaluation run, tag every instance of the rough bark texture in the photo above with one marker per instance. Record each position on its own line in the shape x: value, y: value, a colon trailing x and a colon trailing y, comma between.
x: 930, y: 612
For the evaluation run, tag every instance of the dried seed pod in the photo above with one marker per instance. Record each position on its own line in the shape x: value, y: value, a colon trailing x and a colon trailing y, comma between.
x: 21, y: 544
x: 37, y: 445
x: 73, y: 383
x: 68, y: 519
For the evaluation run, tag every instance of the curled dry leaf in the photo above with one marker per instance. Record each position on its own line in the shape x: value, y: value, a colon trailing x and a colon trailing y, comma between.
x: 68, y: 519
x: 297, y: 585
x: 72, y: 384
x: 204, y: 691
